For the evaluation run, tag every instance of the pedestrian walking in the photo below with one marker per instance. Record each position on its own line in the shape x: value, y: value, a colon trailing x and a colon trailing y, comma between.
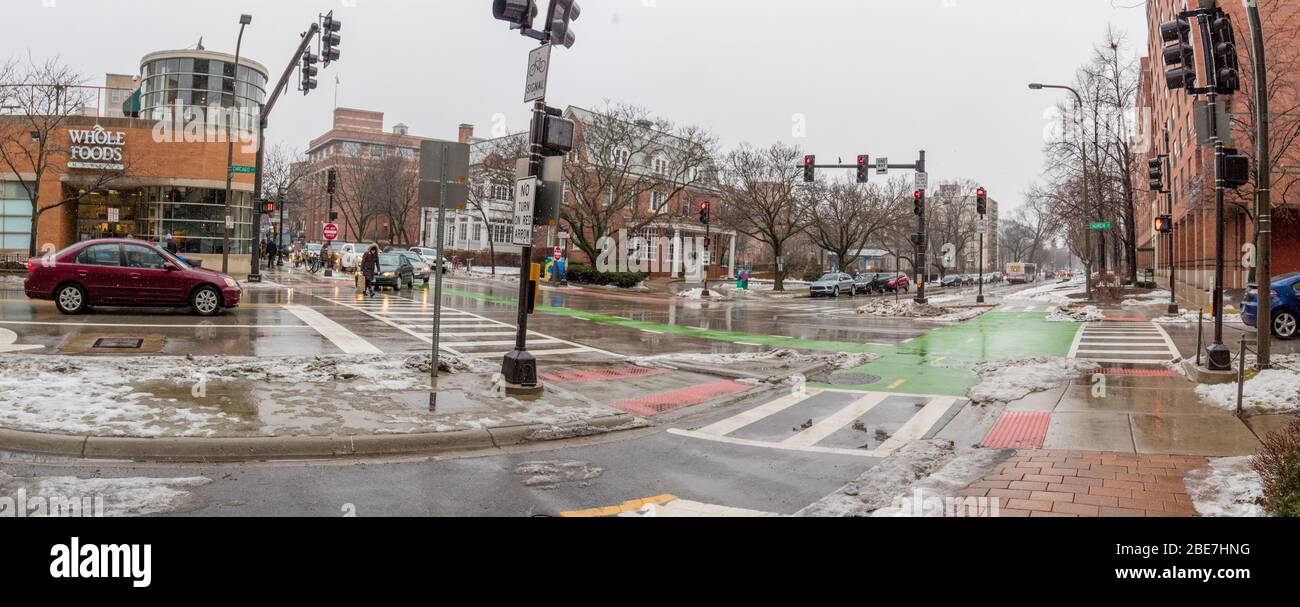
x: 370, y: 267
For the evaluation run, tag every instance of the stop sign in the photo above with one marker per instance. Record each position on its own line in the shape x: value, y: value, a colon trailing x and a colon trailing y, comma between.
x: 558, y: 253
x: 331, y: 232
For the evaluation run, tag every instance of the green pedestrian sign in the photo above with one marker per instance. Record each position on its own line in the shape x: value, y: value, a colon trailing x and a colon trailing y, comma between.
x: 243, y: 169
x: 1102, y: 225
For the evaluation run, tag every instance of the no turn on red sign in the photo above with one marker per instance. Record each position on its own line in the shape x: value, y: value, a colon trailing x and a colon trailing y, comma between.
x: 330, y: 232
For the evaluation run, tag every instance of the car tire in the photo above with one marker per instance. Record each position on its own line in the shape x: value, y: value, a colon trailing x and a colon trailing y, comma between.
x: 1286, y: 325
x: 71, y: 299
x: 205, y: 301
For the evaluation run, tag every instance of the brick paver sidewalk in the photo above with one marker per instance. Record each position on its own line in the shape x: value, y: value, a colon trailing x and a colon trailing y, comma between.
x: 1075, y: 483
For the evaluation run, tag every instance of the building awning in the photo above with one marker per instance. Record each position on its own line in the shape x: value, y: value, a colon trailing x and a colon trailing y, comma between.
x: 131, y: 107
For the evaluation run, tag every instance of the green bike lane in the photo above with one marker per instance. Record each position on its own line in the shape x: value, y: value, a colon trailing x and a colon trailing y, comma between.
x: 939, y: 362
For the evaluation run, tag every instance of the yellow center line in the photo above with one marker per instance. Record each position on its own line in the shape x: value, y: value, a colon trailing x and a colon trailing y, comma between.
x: 895, y: 385
x: 629, y: 506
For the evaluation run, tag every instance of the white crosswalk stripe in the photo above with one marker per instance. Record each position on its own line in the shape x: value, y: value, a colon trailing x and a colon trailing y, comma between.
x: 841, y: 422
x: 1138, y: 343
x: 461, y: 332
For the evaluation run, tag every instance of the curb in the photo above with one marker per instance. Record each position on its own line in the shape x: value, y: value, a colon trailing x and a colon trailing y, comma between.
x: 183, y: 449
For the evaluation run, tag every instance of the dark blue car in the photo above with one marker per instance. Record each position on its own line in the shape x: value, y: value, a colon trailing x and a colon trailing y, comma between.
x: 1286, y: 305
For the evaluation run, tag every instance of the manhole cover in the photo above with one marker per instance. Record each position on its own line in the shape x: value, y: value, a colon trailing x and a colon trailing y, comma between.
x: 118, y: 343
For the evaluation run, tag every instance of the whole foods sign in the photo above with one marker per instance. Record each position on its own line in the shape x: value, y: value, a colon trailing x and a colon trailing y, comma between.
x: 96, y: 149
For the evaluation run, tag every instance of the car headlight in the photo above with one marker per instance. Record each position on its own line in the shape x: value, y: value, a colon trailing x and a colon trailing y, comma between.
x: 389, y: 274
x: 230, y: 282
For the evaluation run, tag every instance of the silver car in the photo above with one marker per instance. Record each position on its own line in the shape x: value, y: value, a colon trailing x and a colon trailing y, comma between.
x: 832, y: 285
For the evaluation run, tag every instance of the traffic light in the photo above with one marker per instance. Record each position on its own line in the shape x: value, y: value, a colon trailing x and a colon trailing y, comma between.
x: 267, y: 207
x: 309, y: 72
x: 982, y: 201
x: 1235, y: 169
x: 330, y: 39
x: 1156, y: 171
x: 563, y: 12
x: 864, y: 174
x: 1180, y: 56
x: 704, y: 213
x: 520, y: 13
x: 919, y: 203
x: 332, y: 181
x: 809, y: 168
x: 1164, y: 224
x: 1225, y: 54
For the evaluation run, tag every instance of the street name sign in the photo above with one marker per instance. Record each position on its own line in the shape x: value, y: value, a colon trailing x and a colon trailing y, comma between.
x: 1100, y: 226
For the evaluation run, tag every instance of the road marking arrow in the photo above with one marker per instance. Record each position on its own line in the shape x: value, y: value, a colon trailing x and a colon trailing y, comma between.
x: 9, y: 340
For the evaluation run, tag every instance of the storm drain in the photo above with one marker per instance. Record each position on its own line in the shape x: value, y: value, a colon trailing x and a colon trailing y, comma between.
x: 118, y: 343
x: 845, y: 378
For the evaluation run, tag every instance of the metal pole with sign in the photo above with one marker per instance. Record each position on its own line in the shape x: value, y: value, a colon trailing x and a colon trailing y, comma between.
x: 440, y: 235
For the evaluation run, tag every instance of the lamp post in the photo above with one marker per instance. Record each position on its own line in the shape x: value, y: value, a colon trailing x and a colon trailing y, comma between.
x: 1083, y: 152
x: 244, y: 21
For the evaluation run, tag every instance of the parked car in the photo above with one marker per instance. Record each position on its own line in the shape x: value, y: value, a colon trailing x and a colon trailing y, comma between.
x: 950, y: 281
x: 1286, y: 306
x: 871, y: 282
x: 422, y: 268
x: 899, y: 281
x: 832, y: 285
x: 127, y: 273
x: 348, y: 256
x: 395, y: 272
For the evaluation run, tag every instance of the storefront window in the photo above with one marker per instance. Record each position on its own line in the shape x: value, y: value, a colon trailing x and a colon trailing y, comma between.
x: 194, y: 217
x: 15, y: 217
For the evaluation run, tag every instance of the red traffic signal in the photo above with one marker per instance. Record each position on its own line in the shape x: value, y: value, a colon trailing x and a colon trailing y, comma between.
x: 919, y: 195
x: 981, y: 193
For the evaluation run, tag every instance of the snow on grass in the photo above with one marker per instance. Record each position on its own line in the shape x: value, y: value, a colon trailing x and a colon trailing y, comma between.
x: 119, y: 496
x: 1271, y: 391
x: 908, y: 308
x: 1228, y: 487
x: 1149, y: 299
x: 1192, y: 316
x: 699, y: 294
x: 1085, y: 314
x: 1011, y: 380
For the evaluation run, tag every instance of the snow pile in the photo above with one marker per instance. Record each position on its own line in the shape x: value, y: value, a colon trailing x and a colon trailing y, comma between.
x: 1011, y: 380
x: 1058, y: 293
x: 1085, y: 314
x: 1149, y: 299
x: 1228, y: 487
x: 164, y: 396
x: 786, y: 358
x: 120, y: 496
x: 1192, y: 316
x: 12, y: 281
x: 905, y: 308
x: 699, y: 294
x: 1271, y: 391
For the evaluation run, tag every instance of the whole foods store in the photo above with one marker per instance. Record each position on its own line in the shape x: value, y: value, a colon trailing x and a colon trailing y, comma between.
x: 126, y: 177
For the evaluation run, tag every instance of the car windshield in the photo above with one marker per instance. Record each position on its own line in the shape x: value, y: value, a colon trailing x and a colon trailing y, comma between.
x: 389, y: 263
x: 830, y: 277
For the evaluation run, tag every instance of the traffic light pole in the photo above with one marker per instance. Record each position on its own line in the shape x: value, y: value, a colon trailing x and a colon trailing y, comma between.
x: 979, y: 299
x: 1263, y: 186
x: 263, y: 115
x: 520, y: 367
x: 1218, y: 355
x: 1169, y: 236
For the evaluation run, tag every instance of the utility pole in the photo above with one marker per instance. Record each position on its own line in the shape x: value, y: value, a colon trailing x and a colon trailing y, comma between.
x: 1083, y: 179
x: 981, y: 207
x: 1263, y: 187
x: 244, y: 21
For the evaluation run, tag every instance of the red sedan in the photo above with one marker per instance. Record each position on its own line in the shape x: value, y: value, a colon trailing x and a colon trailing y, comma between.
x: 127, y: 273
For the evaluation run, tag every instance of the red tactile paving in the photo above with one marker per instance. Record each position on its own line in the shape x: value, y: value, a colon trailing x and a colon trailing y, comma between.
x: 579, y: 376
x: 1019, y: 430
x: 677, y: 399
x: 1140, y: 372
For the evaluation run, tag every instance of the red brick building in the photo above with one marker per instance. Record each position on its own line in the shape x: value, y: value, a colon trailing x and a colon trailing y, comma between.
x: 1191, y: 164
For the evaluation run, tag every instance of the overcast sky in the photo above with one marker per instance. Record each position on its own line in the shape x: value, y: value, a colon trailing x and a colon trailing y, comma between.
x: 877, y: 77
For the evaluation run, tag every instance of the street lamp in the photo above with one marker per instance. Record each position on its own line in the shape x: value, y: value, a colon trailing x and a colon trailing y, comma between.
x: 244, y: 21
x: 1083, y: 151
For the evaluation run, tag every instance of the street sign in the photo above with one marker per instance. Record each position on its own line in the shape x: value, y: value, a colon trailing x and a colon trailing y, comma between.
x: 114, y: 215
x: 230, y: 222
x: 243, y: 169
x: 331, y: 232
x: 1101, y: 226
x: 559, y: 253
x: 444, y: 162
x: 922, y: 181
x: 539, y: 69
x: 525, y: 199
x: 882, y: 166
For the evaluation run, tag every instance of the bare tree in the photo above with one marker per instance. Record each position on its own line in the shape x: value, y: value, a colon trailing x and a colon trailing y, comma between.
x: 285, y: 175
x: 762, y: 197
x: 492, y: 182
x: 623, y: 155
x: 31, y: 138
x: 847, y: 216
